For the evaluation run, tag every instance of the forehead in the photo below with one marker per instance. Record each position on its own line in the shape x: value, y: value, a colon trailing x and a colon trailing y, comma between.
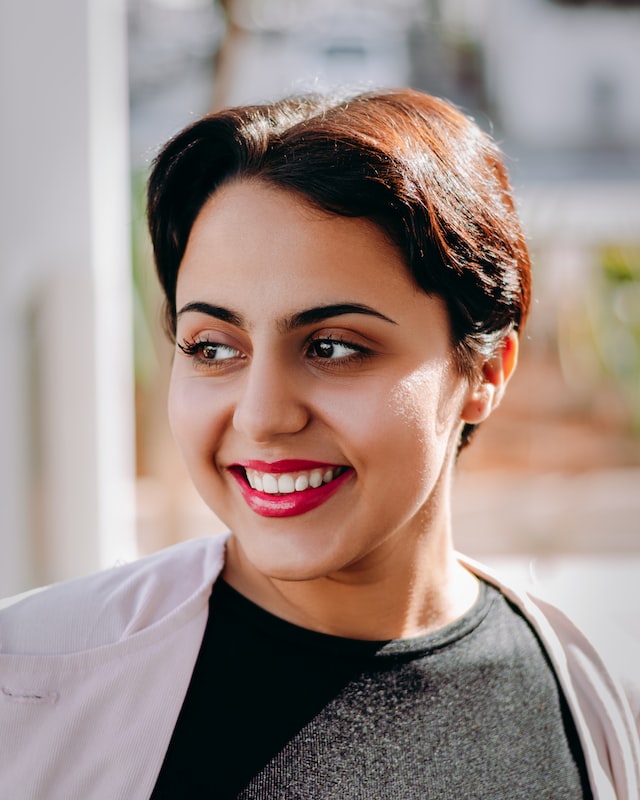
x: 263, y: 250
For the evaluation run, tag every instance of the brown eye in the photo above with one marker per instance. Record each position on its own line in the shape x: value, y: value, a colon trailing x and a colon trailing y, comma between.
x: 322, y: 349
x: 218, y: 352
x: 335, y: 350
x: 209, y: 351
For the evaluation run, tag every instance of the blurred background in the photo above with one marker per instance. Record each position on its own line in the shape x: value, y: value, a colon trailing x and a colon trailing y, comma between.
x: 549, y: 490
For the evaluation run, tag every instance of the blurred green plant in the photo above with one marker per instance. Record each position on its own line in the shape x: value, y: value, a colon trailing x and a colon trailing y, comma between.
x: 614, y: 312
x: 146, y: 292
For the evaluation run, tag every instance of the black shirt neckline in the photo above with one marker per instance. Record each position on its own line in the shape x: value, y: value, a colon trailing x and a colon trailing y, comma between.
x: 252, y: 615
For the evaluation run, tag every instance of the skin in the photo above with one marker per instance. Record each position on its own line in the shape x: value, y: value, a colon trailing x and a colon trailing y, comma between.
x: 376, y: 392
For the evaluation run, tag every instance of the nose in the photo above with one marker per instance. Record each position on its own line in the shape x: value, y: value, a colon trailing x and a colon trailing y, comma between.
x: 271, y: 401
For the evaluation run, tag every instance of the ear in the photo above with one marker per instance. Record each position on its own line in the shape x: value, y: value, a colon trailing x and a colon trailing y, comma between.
x: 486, y: 393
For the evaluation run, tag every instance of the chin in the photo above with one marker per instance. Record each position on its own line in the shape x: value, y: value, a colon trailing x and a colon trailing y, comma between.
x: 290, y: 568
x: 287, y: 560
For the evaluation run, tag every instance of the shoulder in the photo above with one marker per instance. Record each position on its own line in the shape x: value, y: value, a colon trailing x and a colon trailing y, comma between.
x: 109, y: 606
x: 587, y: 643
x: 597, y: 670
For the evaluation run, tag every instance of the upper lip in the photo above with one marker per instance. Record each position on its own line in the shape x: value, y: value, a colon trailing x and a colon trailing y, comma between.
x: 282, y: 466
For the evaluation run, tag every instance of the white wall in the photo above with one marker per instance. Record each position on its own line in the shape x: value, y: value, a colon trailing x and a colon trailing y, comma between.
x: 564, y: 76
x: 66, y: 410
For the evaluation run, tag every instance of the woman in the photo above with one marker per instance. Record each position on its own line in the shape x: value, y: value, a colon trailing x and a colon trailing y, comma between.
x: 346, y: 280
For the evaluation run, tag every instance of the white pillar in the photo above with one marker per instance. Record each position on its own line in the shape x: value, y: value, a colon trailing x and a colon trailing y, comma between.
x: 66, y: 402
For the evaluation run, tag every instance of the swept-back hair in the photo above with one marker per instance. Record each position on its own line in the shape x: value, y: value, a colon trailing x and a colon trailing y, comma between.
x: 413, y: 164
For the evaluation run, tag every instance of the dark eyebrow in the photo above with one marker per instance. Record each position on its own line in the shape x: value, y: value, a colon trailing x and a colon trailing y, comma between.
x: 214, y: 311
x: 314, y: 315
x: 310, y: 316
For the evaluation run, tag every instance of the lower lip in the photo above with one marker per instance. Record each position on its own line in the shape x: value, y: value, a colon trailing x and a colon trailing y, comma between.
x: 289, y: 505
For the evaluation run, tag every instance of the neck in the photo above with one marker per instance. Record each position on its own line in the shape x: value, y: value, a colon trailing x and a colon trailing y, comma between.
x: 426, y: 590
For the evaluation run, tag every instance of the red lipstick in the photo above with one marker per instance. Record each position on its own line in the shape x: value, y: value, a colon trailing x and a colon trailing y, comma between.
x: 285, y: 465
x: 293, y: 503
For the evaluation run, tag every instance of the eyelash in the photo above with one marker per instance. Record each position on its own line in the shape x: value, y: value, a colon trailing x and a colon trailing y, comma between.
x: 195, y: 348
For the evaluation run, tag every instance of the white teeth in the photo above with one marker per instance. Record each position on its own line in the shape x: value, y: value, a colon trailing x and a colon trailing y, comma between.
x: 269, y: 484
x: 315, y: 478
x: 287, y: 483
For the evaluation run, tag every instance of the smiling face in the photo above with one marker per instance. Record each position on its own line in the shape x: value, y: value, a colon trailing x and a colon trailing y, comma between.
x: 314, y: 394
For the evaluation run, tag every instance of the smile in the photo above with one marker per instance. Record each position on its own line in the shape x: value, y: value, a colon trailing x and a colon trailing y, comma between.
x: 270, y: 491
x: 290, y: 482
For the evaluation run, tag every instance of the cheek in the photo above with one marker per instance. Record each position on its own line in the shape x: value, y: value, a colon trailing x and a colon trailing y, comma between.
x: 193, y: 417
x: 425, y: 399
x: 178, y: 411
x: 426, y: 405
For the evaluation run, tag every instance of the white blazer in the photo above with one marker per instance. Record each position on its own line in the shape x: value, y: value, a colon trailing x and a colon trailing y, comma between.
x: 93, y: 673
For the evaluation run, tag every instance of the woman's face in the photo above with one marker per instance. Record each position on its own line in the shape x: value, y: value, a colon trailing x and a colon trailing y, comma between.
x: 314, y: 394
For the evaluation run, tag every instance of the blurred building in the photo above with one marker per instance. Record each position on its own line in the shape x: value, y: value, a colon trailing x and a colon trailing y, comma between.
x: 571, y: 86
x: 279, y: 47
